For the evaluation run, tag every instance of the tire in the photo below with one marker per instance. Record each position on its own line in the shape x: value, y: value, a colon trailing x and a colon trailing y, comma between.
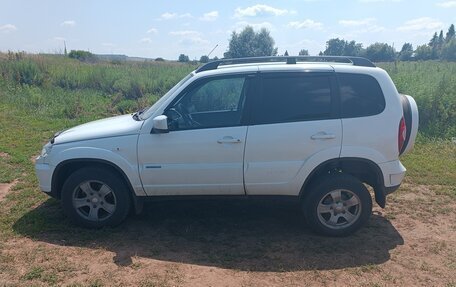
x: 337, y: 205
x: 95, y: 197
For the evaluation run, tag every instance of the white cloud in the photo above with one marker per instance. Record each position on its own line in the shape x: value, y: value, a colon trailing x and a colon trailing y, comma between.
x: 59, y: 39
x: 423, y: 23
x: 306, y: 24
x: 194, y: 41
x: 190, y: 37
x: 170, y: 16
x: 362, y: 26
x: 239, y: 26
x: 184, y: 33
x: 210, y: 16
x: 68, y: 23
x: 360, y: 22
x: 7, y: 28
x: 447, y: 4
x: 145, y: 40
x: 108, y: 44
x: 152, y: 31
x: 258, y: 10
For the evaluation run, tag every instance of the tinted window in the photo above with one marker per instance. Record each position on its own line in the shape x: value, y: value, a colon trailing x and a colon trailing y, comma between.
x: 212, y: 103
x: 360, y: 95
x: 291, y: 98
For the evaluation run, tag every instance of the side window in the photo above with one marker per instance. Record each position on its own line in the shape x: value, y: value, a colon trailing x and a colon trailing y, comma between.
x: 360, y: 96
x: 213, y: 103
x: 217, y: 96
x: 289, y: 98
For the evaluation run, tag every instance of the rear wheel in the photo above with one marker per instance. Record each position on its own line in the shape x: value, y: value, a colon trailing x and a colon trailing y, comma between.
x: 337, y: 205
x: 94, y: 197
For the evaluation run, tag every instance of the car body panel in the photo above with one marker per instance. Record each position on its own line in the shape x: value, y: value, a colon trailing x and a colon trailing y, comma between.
x: 191, y: 162
x: 276, y: 154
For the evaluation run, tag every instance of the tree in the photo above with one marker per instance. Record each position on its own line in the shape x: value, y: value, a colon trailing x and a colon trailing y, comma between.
x: 441, y: 40
x: 249, y: 43
x: 449, y: 50
x: 204, y: 59
x: 423, y: 52
x: 303, y: 52
x: 353, y: 49
x: 450, y: 34
x: 406, y: 52
x: 183, y: 58
x: 380, y: 52
x: 286, y: 53
x: 434, y: 40
x: 338, y: 47
x: 334, y: 47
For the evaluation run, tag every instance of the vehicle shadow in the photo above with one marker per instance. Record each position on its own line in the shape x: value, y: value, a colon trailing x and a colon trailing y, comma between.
x: 241, y: 235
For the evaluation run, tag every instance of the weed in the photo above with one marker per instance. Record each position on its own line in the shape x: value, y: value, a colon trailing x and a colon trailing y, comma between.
x: 33, y: 274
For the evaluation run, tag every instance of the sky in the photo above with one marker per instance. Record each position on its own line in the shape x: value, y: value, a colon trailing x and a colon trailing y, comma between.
x: 168, y: 28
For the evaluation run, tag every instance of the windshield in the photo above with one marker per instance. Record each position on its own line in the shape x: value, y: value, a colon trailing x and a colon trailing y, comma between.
x: 149, y: 111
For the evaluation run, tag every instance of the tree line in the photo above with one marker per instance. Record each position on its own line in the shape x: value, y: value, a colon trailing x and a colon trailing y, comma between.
x: 439, y: 47
x: 249, y: 43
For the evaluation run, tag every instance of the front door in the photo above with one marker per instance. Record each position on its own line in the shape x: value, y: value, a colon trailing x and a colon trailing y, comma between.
x: 203, y: 153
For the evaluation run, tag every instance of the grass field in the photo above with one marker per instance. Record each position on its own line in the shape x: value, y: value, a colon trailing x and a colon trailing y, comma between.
x: 411, y: 242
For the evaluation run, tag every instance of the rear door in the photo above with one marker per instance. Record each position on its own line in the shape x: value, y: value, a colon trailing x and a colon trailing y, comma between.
x: 294, y: 118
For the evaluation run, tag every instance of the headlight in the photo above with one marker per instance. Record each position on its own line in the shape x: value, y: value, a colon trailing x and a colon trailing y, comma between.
x: 46, y: 150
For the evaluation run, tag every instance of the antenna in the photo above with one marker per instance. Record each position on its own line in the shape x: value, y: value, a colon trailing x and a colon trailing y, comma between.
x: 212, y: 50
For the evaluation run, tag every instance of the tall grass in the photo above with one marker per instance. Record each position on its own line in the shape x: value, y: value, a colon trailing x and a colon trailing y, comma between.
x: 433, y: 85
x: 66, y: 84
x: 67, y: 88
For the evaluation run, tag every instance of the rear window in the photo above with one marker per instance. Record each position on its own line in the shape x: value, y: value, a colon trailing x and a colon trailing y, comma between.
x: 360, y: 96
x: 289, y: 98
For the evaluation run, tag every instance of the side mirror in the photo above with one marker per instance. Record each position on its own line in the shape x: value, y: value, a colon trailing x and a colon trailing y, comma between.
x: 160, y: 124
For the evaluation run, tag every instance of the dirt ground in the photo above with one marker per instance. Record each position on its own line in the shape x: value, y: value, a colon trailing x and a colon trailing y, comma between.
x: 222, y: 243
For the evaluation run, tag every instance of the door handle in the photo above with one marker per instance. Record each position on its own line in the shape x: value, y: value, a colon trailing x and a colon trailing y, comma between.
x: 323, y: 136
x: 228, y: 139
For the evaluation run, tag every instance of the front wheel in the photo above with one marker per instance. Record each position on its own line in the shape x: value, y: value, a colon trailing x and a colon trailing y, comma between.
x: 95, y: 197
x: 337, y: 205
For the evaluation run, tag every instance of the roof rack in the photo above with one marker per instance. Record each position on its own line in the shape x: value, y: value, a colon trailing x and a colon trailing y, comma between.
x: 356, y: 61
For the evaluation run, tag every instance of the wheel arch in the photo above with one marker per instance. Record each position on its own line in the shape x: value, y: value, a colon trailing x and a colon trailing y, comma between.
x: 365, y: 170
x: 65, y: 168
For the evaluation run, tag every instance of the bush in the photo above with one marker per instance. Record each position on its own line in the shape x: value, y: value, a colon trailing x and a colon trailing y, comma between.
x: 83, y: 56
x: 183, y: 58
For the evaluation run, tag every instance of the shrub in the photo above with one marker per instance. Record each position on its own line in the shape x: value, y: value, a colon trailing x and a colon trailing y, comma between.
x: 83, y: 56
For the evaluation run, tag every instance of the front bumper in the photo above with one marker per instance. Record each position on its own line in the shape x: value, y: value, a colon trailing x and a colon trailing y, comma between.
x: 44, y: 173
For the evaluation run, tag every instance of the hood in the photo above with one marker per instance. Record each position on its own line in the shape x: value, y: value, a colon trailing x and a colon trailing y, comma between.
x: 109, y: 127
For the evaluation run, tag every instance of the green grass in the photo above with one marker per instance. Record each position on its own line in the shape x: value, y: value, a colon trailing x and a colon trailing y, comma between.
x: 433, y: 85
x: 432, y: 162
x: 70, y: 93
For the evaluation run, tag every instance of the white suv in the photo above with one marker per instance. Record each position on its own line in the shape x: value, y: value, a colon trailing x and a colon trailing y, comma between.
x: 316, y: 129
